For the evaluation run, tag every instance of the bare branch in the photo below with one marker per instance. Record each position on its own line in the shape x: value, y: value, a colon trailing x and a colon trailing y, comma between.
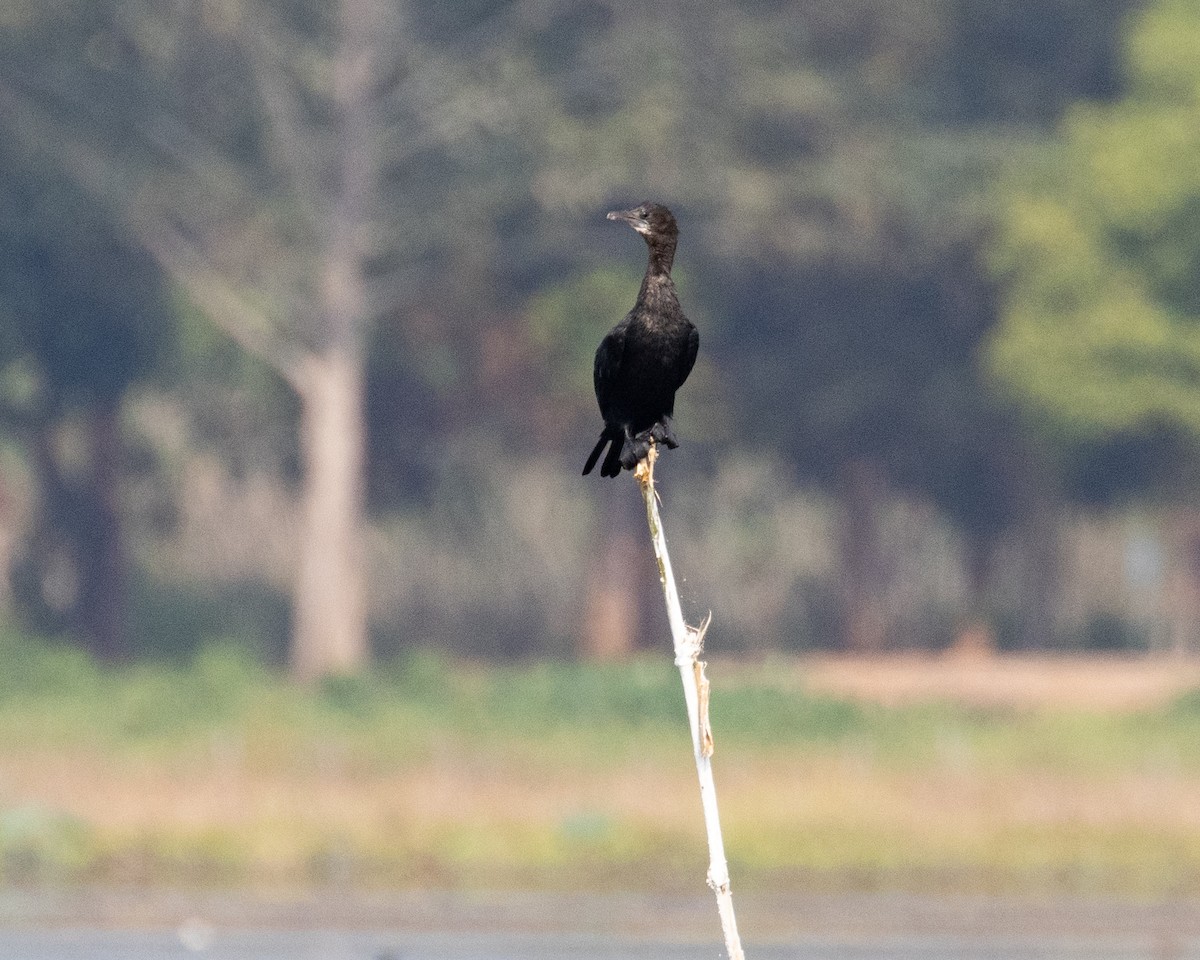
x: 689, y: 643
x: 212, y: 291
x: 174, y: 140
x: 293, y: 138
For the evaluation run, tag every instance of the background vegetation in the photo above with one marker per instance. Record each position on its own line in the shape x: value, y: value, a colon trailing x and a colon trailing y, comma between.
x: 427, y: 775
x: 297, y: 308
x: 298, y: 303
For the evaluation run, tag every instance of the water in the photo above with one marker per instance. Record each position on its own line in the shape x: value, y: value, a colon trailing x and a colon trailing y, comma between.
x: 135, y: 924
x: 357, y: 945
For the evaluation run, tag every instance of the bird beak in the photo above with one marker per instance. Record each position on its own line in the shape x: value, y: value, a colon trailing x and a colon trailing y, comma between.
x: 631, y: 217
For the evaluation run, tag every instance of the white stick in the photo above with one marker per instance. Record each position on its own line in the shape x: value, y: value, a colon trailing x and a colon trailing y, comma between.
x: 689, y: 644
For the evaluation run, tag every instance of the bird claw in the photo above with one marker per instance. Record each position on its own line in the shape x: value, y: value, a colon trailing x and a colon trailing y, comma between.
x: 637, y: 446
x: 664, y: 432
x: 635, y: 450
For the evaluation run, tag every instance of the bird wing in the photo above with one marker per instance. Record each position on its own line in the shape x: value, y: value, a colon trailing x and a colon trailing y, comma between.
x: 689, y: 356
x: 606, y: 371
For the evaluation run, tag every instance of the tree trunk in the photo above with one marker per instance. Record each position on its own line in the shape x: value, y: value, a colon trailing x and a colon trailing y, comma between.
x: 1183, y: 584
x: 103, y: 569
x: 611, y: 622
x: 863, y: 626
x: 975, y: 635
x: 1040, y: 507
x: 73, y: 573
x: 329, y: 632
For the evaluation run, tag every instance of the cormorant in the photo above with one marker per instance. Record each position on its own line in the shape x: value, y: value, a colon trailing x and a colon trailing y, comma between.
x: 645, y: 358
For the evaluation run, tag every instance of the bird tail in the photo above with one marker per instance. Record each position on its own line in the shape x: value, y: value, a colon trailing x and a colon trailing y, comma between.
x: 605, y: 436
x: 612, y: 463
x: 624, y: 451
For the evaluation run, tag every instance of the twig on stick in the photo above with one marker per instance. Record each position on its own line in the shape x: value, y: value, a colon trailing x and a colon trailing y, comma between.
x: 689, y: 644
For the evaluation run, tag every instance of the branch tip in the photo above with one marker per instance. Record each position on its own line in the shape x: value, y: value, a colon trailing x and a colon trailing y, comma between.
x: 643, y: 473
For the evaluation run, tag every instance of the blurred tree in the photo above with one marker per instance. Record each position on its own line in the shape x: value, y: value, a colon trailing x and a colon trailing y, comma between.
x: 1099, y: 251
x: 270, y: 158
x: 829, y: 163
x: 826, y: 160
x: 83, y: 319
x: 1025, y: 61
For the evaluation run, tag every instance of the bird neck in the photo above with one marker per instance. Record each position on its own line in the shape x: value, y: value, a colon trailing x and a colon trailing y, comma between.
x: 658, y: 289
x: 662, y: 256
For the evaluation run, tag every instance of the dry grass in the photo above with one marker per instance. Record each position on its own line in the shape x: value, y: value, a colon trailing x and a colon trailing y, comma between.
x: 1062, y: 797
x: 1017, y: 681
x: 834, y: 817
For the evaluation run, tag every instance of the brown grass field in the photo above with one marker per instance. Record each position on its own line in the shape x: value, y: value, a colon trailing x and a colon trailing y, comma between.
x: 1023, y: 682
x: 1017, y: 774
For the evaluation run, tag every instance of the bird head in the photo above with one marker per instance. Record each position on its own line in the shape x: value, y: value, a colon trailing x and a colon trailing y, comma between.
x: 651, y: 220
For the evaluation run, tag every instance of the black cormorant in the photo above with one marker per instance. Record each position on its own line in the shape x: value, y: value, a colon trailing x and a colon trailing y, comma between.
x: 646, y: 357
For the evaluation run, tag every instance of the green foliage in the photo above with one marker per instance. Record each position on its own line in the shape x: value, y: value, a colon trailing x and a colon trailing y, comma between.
x: 1187, y: 706
x: 827, y: 161
x: 35, y: 669
x: 171, y: 621
x: 54, y: 695
x: 41, y: 845
x: 832, y: 217
x: 769, y: 714
x: 567, y: 320
x: 1099, y: 252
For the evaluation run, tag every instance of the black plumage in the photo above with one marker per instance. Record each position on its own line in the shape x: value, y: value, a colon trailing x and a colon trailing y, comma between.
x: 646, y: 357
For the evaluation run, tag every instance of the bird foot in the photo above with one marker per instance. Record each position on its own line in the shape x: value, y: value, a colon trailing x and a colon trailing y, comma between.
x: 635, y: 450
x: 638, y: 446
x: 664, y: 432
